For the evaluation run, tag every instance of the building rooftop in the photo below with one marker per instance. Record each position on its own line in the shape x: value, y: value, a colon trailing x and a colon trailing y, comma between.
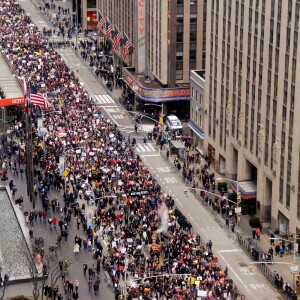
x: 201, y: 73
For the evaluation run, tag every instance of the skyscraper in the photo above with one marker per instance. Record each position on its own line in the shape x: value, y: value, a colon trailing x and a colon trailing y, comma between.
x: 251, y: 82
x: 168, y: 40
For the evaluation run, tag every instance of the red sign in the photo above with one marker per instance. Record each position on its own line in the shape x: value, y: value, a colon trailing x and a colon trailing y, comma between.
x: 12, y: 101
x: 141, y: 16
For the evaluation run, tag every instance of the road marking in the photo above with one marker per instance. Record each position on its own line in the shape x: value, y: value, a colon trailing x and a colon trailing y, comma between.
x: 170, y: 180
x: 103, y: 99
x: 230, y: 250
x: 145, y: 147
x: 178, y: 202
x: 191, y: 217
x: 257, y: 286
x: 110, y: 116
x: 150, y: 155
x: 233, y: 271
x: 246, y: 271
x: 164, y: 170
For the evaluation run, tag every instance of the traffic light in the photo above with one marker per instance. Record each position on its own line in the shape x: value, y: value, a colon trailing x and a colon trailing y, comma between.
x: 238, y: 200
x: 160, y: 120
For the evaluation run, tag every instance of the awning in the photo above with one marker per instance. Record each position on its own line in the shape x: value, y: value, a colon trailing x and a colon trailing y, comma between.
x: 246, y: 188
x: 177, y: 144
x: 195, y: 128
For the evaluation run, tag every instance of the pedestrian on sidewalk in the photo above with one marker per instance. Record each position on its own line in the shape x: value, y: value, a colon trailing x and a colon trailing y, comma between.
x: 76, y: 284
x: 253, y: 233
x: 232, y: 226
x: 272, y: 239
x: 257, y: 232
x: 76, y: 249
x: 85, y: 267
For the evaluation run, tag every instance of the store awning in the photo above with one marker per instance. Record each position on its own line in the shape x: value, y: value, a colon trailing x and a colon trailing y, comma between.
x: 246, y: 188
x: 197, y: 130
x: 177, y: 144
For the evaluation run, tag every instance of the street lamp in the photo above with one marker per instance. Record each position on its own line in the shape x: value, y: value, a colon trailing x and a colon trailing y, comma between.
x: 161, y: 106
x: 237, y: 186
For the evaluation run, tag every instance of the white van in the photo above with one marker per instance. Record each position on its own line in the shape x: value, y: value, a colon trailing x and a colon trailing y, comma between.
x: 173, y: 123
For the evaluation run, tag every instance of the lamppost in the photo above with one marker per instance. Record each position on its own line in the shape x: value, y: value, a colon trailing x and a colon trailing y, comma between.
x: 234, y: 181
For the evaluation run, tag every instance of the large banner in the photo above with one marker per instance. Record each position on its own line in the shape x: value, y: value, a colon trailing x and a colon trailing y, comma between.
x: 89, y: 215
x: 39, y: 126
x: 12, y: 101
x: 61, y: 165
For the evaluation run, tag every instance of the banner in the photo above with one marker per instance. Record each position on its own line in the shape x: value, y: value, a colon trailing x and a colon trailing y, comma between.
x: 89, y: 215
x: 61, y: 164
x: 39, y: 126
x: 12, y: 101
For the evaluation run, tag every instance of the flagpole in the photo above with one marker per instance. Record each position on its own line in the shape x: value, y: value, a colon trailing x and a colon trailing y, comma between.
x: 29, y: 149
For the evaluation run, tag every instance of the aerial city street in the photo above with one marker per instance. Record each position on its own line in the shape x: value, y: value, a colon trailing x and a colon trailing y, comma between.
x: 148, y: 149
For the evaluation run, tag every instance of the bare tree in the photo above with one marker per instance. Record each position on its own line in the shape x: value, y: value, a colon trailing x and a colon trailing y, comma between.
x: 6, y: 272
x: 53, y: 265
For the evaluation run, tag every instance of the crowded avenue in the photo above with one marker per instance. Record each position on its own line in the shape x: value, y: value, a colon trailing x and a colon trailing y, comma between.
x: 120, y: 223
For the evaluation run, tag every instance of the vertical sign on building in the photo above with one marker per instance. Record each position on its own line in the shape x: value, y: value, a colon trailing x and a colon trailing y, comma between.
x: 140, y: 44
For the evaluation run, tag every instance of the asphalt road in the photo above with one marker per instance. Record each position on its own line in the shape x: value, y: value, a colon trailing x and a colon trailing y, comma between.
x: 252, y: 285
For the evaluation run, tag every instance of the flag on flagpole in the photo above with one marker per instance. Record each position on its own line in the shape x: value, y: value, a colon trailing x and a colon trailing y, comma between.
x: 126, y: 46
x: 36, y: 98
x: 100, y: 25
x: 117, y: 39
x: 109, y: 30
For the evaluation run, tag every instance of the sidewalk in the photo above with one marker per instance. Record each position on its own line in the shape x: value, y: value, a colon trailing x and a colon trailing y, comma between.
x: 282, y: 267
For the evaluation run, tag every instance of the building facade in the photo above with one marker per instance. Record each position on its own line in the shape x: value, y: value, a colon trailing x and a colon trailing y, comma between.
x: 197, y: 81
x: 251, y: 83
x: 168, y: 39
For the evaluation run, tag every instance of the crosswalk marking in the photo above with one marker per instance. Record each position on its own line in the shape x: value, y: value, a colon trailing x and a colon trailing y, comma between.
x: 144, y: 147
x: 103, y: 99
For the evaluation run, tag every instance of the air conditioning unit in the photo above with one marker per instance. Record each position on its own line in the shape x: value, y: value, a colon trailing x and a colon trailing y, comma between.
x: 259, y: 160
x: 293, y: 188
x: 274, y: 173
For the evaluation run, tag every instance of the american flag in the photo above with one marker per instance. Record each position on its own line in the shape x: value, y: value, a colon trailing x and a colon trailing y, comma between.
x: 117, y: 38
x: 36, y: 98
x: 100, y: 25
x: 126, y: 46
x: 109, y: 30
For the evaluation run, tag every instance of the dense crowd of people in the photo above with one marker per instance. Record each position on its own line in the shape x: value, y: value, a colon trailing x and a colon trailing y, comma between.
x: 149, y: 240
x: 129, y: 206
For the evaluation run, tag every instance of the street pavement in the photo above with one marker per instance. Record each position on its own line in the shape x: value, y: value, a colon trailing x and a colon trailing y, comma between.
x: 252, y: 285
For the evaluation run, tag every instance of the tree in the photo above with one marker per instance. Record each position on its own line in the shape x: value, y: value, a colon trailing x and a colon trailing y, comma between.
x: 6, y: 270
x: 48, y: 268
x: 254, y: 222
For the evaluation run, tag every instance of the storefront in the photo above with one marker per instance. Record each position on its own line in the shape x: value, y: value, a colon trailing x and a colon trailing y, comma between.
x: 198, y: 136
x: 173, y: 100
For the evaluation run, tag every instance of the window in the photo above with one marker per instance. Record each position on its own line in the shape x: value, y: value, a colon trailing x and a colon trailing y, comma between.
x: 192, y: 54
x: 193, y: 36
x: 179, y: 56
x: 193, y: 19
x: 192, y: 92
x: 179, y: 37
x: 196, y: 95
x: 179, y: 2
x: 179, y: 74
x: 180, y: 19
